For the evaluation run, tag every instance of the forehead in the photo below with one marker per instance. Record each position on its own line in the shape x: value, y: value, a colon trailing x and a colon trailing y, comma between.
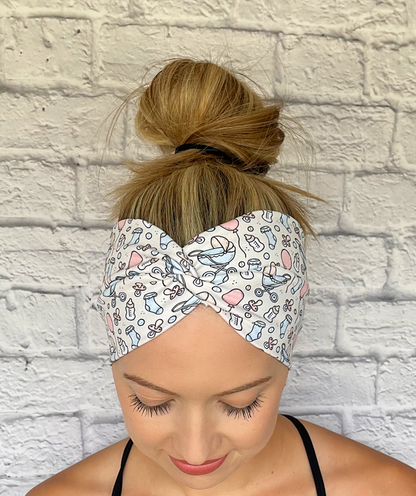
x: 201, y: 343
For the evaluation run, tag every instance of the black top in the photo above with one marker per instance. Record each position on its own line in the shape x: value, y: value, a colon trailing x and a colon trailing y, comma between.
x: 313, y: 461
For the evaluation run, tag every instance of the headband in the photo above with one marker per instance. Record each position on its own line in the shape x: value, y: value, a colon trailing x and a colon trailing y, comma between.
x: 251, y: 270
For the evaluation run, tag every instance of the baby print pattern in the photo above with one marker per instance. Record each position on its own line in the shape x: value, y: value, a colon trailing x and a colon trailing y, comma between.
x: 251, y: 270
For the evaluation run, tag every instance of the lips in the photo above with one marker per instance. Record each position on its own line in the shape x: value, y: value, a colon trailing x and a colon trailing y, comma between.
x: 205, y: 468
x: 205, y: 463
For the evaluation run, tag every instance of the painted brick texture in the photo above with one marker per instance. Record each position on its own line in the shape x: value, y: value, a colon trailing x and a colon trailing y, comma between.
x: 347, y: 72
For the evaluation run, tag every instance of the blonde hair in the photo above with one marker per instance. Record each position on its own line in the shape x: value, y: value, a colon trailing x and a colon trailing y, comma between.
x: 184, y: 194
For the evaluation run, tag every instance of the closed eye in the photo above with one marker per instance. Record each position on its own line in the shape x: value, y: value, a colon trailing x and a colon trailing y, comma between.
x: 165, y: 407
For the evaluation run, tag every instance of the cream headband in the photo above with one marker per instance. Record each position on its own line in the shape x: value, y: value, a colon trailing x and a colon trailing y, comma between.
x: 251, y: 270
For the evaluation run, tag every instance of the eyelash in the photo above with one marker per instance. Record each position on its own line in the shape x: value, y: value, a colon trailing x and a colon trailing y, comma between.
x: 165, y: 407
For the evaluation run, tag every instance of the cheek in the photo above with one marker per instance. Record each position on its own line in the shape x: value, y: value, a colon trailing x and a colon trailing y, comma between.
x: 148, y: 433
x: 259, y: 429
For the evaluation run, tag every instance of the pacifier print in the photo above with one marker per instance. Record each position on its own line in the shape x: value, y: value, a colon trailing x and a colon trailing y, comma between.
x: 285, y: 240
x: 288, y: 305
x: 248, y: 217
x: 155, y: 328
x: 270, y: 343
x: 174, y: 292
x: 253, y: 306
x: 116, y: 316
x: 138, y: 288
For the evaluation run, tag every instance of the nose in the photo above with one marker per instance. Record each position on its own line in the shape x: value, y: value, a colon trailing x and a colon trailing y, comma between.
x: 198, y: 440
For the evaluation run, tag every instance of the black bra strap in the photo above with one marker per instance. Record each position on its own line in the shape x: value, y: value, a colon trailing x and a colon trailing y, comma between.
x: 119, y: 481
x: 310, y: 451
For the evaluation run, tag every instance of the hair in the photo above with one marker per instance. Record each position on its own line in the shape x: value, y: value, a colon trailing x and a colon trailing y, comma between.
x: 184, y: 194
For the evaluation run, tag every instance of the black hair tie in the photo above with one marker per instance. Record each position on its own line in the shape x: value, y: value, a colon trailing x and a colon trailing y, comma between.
x: 207, y: 149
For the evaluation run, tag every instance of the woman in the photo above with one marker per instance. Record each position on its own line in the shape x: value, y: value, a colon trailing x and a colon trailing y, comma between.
x: 206, y: 251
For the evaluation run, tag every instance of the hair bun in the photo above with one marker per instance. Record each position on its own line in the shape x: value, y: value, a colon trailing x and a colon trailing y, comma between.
x: 209, y: 126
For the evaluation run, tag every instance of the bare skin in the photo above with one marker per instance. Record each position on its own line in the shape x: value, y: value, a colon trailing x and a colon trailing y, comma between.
x: 347, y: 467
x: 266, y: 453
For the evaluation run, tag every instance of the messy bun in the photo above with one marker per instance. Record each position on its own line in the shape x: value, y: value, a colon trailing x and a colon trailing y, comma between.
x: 191, y: 191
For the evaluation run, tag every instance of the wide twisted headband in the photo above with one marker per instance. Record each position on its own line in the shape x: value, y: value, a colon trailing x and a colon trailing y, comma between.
x: 251, y: 270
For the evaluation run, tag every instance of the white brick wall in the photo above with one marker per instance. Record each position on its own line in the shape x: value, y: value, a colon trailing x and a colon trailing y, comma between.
x: 347, y: 71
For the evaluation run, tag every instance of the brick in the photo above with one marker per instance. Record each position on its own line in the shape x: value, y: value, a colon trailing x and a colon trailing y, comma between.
x: 405, y: 261
x: 347, y: 261
x: 144, y: 44
x: 70, y: 257
x: 392, y: 70
x: 381, y: 201
x: 67, y: 268
x: 32, y: 189
x: 189, y: 11
x: 96, y: 335
x: 37, y: 322
x: 314, y: 62
x: 52, y: 146
x: 396, y: 382
x: 147, y: 45
x: 57, y: 385
x: 405, y: 145
x: 88, y: 7
x: 101, y: 435
x: 99, y: 181
x: 17, y: 488
x: 48, y: 48
x: 330, y: 421
x: 349, y: 137
x: 380, y: 326
x: 392, y: 434
x: 65, y: 239
x: 317, y: 382
x: 57, y: 122
x: 325, y: 13
x: 39, y: 447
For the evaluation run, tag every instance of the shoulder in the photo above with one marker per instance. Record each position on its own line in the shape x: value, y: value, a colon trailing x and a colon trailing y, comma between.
x: 349, y: 467
x: 92, y: 476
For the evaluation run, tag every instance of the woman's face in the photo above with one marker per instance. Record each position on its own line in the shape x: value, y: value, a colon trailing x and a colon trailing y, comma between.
x: 199, y: 358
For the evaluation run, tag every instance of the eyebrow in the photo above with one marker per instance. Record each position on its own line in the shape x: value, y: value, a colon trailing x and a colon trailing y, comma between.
x: 238, y: 389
